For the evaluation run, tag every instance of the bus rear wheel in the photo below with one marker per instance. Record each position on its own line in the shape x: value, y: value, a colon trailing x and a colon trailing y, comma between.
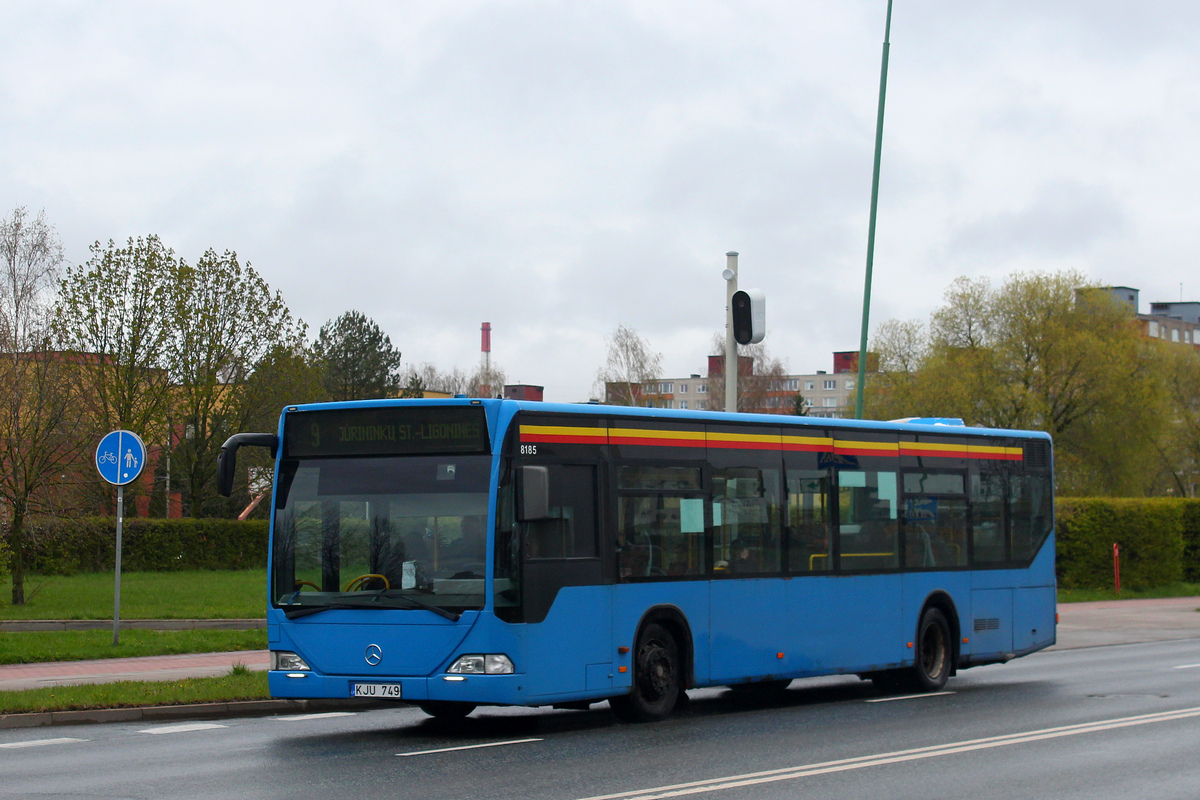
x: 656, y: 678
x: 446, y: 709
x: 934, y: 653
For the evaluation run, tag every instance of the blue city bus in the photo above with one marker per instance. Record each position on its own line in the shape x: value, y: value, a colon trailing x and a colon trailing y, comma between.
x: 462, y: 552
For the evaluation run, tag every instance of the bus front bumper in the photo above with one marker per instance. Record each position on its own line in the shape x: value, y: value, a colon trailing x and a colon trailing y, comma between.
x: 504, y: 690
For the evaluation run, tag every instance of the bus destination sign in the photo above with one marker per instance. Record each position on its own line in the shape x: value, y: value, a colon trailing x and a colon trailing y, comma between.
x: 385, y: 430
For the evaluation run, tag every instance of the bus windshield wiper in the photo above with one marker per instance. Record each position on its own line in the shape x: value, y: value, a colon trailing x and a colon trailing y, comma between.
x: 373, y: 602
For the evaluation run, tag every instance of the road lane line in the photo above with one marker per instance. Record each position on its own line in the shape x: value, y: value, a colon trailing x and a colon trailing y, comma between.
x: 186, y: 727
x: 320, y: 715
x: 1186, y: 666
x: 896, y: 757
x: 40, y: 742
x: 468, y: 747
x: 906, y: 697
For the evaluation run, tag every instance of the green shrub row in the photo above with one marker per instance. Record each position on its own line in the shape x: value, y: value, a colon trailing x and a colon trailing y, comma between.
x: 57, y: 546
x: 1159, y: 541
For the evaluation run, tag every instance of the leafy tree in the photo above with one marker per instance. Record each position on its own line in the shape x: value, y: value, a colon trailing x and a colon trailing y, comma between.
x: 226, y: 324
x: 630, y: 363
x: 116, y: 310
x: 359, y: 360
x: 1037, y: 354
x: 39, y: 426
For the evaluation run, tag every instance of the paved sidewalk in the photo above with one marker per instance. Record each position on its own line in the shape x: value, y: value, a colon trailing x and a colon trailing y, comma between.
x: 143, y: 668
x: 1127, y: 621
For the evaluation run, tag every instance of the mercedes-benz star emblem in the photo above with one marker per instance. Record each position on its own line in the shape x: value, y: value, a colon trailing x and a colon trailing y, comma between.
x: 374, y: 654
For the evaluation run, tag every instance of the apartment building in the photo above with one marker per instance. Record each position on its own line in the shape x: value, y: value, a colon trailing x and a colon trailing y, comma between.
x: 825, y: 394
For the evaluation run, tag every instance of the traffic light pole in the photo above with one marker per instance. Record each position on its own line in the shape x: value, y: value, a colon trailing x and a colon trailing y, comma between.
x: 731, y: 365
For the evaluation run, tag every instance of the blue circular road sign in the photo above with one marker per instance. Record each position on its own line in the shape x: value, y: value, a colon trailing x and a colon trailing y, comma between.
x: 120, y: 457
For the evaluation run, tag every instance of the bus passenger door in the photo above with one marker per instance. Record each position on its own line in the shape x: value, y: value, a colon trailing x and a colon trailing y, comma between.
x: 567, y: 606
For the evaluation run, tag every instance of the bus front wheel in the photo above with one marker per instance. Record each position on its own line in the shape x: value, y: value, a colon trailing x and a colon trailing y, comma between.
x: 446, y: 709
x: 656, y: 678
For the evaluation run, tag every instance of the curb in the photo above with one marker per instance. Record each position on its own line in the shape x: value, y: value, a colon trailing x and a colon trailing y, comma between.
x: 19, y: 625
x: 240, y: 708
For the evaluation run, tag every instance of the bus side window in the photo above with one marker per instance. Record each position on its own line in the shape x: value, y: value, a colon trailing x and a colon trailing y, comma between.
x: 808, y: 521
x: 867, y: 520
x: 660, y: 522
x: 570, y: 530
x: 746, y: 522
x: 988, y: 534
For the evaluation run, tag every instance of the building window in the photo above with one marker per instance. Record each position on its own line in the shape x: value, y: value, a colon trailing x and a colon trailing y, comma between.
x: 829, y: 402
x: 683, y: 404
x: 1153, y: 329
x: 793, y: 385
x: 1174, y: 334
x: 683, y: 388
x: 701, y: 388
x: 666, y: 388
x: 810, y: 385
x: 850, y: 383
x: 831, y: 384
x: 702, y: 405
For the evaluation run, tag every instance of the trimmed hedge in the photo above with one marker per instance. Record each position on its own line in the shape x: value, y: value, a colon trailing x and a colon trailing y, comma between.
x: 1158, y: 538
x: 68, y: 546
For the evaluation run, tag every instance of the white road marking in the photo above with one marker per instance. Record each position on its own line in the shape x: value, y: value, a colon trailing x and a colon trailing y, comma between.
x: 322, y: 715
x: 468, y: 747
x: 1186, y: 666
x: 186, y: 727
x: 40, y: 742
x: 899, y: 756
x: 907, y: 697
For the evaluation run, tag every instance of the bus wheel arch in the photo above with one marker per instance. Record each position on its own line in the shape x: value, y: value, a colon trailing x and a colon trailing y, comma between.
x: 661, y: 667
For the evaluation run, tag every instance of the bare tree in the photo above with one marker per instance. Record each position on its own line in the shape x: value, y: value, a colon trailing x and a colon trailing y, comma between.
x: 631, y: 363
x: 39, y: 427
x: 762, y: 380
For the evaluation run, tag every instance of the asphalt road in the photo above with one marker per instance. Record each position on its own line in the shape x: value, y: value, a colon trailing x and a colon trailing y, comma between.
x: 1108, y: 721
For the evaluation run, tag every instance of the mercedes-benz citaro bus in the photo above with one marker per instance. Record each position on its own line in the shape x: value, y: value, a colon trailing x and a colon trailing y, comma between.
x: 460, y: 552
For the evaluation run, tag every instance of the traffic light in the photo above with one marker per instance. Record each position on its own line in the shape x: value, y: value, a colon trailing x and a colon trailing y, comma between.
x: 749, y: 316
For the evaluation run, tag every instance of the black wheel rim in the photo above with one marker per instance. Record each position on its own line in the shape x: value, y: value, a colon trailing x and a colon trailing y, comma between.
x: 656, y: 673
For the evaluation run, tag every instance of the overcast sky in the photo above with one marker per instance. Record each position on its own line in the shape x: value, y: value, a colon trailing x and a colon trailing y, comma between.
x: 560, y: 168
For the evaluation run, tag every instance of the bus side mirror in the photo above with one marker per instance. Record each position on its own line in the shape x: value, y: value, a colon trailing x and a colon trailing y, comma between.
x: 227, y: 459
x: 533, y: 493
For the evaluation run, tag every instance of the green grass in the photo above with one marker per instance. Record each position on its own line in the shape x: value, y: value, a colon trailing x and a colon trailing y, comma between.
x: 1087, y: 595
x: 144, y: 595
x: 32, y: 647
x: 237, y: 685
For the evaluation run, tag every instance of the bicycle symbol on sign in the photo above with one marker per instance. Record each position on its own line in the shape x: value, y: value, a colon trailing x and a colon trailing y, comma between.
x: 111, y: 458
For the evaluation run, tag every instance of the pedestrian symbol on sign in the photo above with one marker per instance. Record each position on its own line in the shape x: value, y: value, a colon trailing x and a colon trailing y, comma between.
x: 120, y: 457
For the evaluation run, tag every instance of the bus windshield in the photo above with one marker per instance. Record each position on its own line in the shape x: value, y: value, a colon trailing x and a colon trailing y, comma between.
x: 391, y: 532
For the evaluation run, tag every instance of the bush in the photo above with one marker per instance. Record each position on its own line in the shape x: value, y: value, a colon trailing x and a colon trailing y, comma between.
x: 69, y: 546
x: 1150, y: 533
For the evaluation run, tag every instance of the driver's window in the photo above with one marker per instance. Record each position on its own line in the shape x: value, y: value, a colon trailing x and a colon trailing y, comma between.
x: 570, y: 530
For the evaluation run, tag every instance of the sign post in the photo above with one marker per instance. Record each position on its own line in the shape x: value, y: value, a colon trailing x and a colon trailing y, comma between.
x: 120, y: 457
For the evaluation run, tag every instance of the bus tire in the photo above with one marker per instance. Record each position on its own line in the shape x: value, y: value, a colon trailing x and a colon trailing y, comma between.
x: 657, y: 682
x: 446, y: 709
x: 934, y: 652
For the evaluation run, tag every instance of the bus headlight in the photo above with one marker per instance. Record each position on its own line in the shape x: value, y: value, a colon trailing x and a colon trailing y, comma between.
x: 483, y: 664
x: 286, y: 660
